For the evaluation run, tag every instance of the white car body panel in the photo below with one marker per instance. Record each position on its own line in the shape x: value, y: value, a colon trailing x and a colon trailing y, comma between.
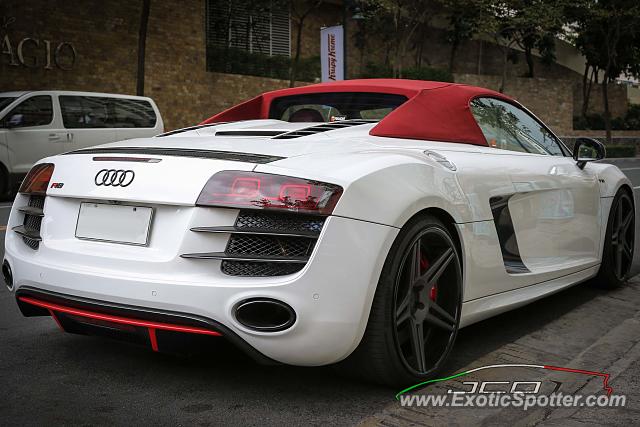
x: 560, y: 213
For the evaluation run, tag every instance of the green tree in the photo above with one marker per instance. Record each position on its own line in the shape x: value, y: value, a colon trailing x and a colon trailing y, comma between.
x: 400, y: 20
x: 608, y: 35
x: 300, y: 10
x: 464, y: 20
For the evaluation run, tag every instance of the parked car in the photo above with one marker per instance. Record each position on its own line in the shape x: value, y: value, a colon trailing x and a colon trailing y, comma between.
x: 37, y: 124
x: 362, y: 222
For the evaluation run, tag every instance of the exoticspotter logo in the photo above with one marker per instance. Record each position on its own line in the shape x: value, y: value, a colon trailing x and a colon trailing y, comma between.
x: 505, y: 393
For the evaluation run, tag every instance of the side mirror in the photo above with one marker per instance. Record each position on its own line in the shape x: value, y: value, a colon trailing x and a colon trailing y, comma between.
x: 588, y: 150
x: 12, y: 122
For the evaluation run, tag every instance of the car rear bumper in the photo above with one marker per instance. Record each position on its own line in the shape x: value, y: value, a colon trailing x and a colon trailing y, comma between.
x: 130, y: 323
x: 331, y: 295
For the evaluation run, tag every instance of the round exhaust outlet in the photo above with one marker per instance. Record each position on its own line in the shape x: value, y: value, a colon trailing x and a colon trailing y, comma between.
x: 265, y: 314
x: 7, y: 274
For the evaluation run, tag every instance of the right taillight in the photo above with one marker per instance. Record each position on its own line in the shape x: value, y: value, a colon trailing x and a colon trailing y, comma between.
x: 37, y: 180
x: 255, y: 190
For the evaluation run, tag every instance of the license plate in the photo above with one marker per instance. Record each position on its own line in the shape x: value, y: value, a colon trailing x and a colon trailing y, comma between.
x: 128, y: 225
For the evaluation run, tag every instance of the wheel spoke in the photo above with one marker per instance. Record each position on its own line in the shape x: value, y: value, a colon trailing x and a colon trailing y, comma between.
x: 626, y: 222
x: 417, y: 341
x: 627, y: 250
x: 618, y: 259
x: 402, y: 316
x: 438, y: 267
x: 443, y: 313
x: 433, y: 320
x: 414, y: 271
x: 619, y: 214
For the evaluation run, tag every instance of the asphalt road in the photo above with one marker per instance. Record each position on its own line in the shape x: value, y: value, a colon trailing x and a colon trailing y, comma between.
x: 47, y: 377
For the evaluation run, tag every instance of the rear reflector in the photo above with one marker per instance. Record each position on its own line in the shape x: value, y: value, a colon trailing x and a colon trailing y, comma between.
x: 254, y: 190
x: 37, y: 180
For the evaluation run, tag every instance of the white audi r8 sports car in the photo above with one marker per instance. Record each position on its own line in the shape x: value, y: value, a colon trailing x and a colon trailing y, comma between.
x: 362, y: 222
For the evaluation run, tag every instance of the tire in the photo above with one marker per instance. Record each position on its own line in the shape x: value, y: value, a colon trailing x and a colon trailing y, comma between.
x: 407, y: 303
x: 617, y: 254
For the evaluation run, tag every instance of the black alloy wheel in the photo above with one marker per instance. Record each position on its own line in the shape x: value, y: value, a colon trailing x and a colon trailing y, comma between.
x: 415, y: 314
x: 619, y: 243
x: 427, y: 313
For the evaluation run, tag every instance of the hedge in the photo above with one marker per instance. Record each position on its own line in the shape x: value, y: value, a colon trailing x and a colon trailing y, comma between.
x: 238, y: 61
x: 630, y: 121
x: 614, y: 151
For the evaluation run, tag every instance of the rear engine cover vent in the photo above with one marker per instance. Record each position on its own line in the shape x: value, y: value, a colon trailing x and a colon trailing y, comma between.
x: 30, y: 230
x: 248, y: 132
x: 291, y: 237
x: 265, y: 243
x: 324, y: 127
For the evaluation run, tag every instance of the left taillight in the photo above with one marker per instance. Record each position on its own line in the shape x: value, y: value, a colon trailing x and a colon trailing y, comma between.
x: 37, y: 180
x: 255, y: 190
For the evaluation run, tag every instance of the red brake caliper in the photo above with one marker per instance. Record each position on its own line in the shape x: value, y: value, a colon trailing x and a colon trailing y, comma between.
x: 424, y: 264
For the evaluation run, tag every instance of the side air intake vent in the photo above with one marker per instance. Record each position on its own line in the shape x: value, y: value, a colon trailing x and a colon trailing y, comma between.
x: 325, y: 127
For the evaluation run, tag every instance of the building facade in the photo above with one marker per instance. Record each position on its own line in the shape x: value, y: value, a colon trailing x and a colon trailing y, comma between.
x: 203, y: 56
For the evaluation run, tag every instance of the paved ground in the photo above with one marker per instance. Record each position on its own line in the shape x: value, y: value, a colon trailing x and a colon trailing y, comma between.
x: 48, y: 377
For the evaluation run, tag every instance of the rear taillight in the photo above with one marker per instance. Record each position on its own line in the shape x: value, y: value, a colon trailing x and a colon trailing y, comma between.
x: 241, y: 189
x: 37, y: 179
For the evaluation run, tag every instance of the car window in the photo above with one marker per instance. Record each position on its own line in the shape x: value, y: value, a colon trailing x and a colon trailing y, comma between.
x: 334, y: 106
x: 104, y: 112
x: 6, y: 100
x: 132, y: 113
x: 508, y: 127
x: 34, y: 111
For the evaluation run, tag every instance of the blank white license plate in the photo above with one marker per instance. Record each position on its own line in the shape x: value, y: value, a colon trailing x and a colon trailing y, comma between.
x: 123, y: 224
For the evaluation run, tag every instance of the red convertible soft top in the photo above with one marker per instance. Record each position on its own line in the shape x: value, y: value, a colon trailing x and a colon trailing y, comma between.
x: 434, y: 111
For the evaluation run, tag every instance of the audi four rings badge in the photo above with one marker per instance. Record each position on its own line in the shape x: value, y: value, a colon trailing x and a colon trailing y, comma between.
x: 114, y: 177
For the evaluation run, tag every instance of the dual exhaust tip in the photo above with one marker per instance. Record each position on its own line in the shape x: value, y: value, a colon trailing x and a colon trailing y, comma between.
x: 265, y: 314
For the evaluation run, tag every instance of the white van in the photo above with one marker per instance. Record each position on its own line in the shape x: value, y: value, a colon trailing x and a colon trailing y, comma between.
x: 38, y: 124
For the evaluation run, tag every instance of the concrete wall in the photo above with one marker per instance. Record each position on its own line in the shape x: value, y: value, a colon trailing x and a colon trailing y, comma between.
x: 618, y: 99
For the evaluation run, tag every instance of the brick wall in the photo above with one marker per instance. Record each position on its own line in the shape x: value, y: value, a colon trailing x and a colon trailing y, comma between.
x: 105, y: 36
x: 618, y: 99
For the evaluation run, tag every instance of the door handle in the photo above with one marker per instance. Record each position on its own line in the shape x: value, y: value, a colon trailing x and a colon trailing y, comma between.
x: 54, y: 137
x: 69, y: 136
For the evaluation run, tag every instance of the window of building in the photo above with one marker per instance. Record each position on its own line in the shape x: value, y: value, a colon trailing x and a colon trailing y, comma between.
x: 248, y: 37
x: 507, y: 127
x: 80, y: 112
x: 34, y: 111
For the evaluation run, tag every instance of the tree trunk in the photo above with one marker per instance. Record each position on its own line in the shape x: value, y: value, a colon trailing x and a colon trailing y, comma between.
x: 585, y: 91
x: 528, y: 55
x: 503, y: 81
x: 293, y: 68
x: 142, y: 44
x: 452, y: 55
x: 586, y: 98
x: 607, y: 113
